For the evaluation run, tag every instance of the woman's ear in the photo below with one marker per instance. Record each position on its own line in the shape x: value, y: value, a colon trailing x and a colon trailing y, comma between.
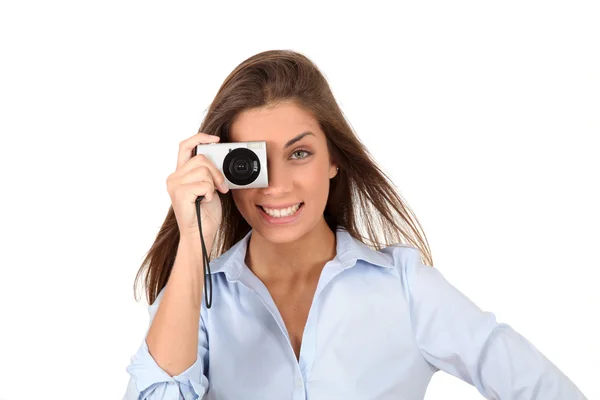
x: 333, y: 171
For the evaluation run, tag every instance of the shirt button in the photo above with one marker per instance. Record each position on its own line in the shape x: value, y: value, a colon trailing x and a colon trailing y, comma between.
x: 298, y: 383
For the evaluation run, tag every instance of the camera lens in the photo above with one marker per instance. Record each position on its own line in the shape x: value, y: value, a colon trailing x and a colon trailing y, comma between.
x: 241, y: 166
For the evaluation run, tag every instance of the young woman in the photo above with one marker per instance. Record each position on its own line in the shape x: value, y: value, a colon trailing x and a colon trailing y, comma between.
x: 323, y: 284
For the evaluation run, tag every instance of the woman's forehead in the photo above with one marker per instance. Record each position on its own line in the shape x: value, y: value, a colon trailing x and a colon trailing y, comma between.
x: 277, y: 124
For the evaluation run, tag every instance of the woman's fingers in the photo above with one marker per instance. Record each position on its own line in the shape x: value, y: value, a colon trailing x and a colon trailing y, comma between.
x: 187, y: 146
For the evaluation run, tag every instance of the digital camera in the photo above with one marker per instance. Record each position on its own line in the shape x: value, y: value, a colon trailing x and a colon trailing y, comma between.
x: 244, y: 164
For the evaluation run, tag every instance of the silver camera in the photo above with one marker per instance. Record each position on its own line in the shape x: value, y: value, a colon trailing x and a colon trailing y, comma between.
x: 244, y: 164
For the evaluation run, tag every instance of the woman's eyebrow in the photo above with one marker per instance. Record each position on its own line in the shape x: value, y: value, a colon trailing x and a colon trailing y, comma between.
x: 297, y: 138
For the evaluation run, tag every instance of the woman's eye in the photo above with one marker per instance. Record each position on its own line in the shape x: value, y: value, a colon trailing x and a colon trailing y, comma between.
x: 302, y: 151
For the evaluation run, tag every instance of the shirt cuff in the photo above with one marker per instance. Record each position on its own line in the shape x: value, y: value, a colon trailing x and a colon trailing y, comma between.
x: 146, y: 372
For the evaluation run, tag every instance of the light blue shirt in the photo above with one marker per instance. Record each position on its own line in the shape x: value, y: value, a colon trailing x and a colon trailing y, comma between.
x: 380, y: 325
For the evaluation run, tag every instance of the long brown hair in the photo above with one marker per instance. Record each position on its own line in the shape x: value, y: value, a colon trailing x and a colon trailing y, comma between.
x: 362, y: 198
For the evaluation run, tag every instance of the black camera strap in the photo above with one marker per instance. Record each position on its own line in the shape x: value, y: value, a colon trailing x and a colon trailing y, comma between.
x: 205, y: 259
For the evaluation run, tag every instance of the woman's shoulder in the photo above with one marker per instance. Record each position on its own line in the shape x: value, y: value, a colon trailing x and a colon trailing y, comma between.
x: 397, y: 255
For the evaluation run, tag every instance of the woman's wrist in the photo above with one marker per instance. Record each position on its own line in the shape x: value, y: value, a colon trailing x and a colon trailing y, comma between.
x: 193, y: 243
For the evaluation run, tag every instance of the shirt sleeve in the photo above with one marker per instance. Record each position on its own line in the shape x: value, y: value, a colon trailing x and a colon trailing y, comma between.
x: 148, y: 381
x: 455, y: 336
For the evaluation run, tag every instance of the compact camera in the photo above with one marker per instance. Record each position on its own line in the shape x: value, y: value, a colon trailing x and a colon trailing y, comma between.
x: 244, y: 164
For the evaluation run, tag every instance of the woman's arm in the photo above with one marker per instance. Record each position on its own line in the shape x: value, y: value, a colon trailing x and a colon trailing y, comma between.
x: 455, y: 336
x: 170, y: 361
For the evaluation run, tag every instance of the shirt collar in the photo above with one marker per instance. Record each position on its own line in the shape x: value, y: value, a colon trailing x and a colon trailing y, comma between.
x: 348, y: 251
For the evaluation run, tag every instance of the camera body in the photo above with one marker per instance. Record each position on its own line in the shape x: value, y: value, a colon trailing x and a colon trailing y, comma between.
x: 244, y: 164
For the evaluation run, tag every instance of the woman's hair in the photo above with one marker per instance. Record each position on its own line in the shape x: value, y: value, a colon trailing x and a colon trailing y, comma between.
x: 362, y: 199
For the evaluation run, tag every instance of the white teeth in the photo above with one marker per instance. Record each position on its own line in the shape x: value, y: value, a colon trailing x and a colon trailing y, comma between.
x: 286, y: 212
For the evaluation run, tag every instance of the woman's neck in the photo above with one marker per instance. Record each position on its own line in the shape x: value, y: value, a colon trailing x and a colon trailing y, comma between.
x: 300, y: 260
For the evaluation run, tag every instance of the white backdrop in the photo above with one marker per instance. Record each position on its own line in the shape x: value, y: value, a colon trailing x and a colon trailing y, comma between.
x: 485, y: 115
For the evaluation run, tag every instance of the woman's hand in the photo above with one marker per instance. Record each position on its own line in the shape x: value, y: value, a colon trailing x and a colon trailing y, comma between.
x: 196, y: 176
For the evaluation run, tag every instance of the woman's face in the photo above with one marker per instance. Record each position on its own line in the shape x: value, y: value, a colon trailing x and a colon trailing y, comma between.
x: 299, y: 171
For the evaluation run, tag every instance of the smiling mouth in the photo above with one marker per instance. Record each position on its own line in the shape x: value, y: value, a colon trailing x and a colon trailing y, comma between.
x: 264, y: 211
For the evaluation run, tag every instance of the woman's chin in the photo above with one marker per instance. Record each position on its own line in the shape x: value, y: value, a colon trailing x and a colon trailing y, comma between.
x: 280, y: 235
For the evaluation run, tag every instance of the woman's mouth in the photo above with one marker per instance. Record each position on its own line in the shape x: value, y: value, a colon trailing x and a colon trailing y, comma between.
x: 284, y: 215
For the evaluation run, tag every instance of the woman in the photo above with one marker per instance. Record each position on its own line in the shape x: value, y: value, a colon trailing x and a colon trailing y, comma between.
x: 303, y: 305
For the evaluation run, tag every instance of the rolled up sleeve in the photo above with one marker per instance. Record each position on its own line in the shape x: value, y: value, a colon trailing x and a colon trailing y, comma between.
x: 456, y: 336
x: 148, y: 381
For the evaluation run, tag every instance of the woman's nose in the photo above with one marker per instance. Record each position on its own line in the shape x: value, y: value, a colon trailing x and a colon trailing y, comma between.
x: 280, y: 180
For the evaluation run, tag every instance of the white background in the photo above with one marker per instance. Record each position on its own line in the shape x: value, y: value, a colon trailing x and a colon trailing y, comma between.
x: 485, y: 115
